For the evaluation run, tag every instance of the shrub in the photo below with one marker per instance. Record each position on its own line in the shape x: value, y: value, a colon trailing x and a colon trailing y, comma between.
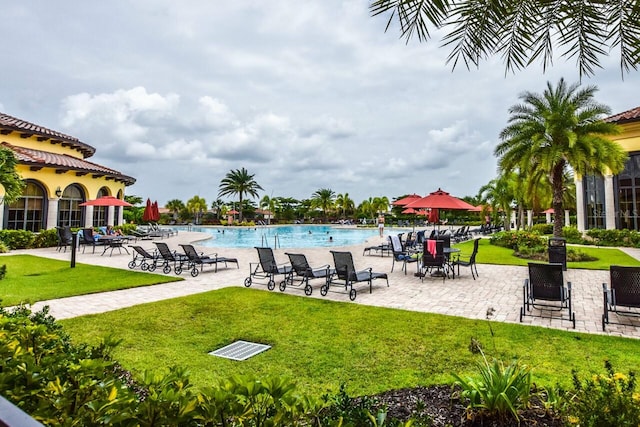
x: 3, y: 248
x: 46, y: 238
x: 500, y: 391
x: 603, y: 400
x: 572, y: 235
x: 542, y: 228
x: 17, y: 239
x: 517, y: 239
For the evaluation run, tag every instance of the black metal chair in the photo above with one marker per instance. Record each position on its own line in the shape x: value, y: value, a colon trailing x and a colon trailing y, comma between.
x: 170, y: 258
x: 468, y: 262
x: 196, y: 259
x: 65, y: 237
x: 623, y: 298
x: 145, y: 259
x: 346, y: 272
x: 400, y: 254
x: 433, y: 257
x: 266, y: 269
x: 88, y: 239
x: 304, y: 272
x: 545, y: 290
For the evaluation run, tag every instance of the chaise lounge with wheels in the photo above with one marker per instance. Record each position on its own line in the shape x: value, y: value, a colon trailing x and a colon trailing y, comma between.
x: 302, y: 271
x: 145, y: 259
x: 171, y: 258
x: 266, y: 269
x: 346, y: 275
x: 195, y: 259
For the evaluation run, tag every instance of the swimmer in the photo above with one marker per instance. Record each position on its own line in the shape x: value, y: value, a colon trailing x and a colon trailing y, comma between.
x: 331, y: 238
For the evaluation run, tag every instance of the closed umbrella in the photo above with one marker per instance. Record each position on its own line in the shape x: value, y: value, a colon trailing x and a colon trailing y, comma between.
x: 156, y: 211
x: 147, y: 215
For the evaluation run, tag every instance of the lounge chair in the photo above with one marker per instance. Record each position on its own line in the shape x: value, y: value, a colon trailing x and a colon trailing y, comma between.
x: 433, y: 257
x: 468, y: 261
x: 88, y: 238
x: 545, y: 290
x: 346, y: 275
x: 196, y: 260
x: 383, y: 249
x: 623, y: 298
x: 145, y: 259
x: 65, y: 237
x: 266, y: 269
x: 400, y: 254
x: 304, y: 272
x: 170, y: 258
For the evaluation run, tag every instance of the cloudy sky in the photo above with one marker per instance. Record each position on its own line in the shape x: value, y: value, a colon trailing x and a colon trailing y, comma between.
x: 305, y: 95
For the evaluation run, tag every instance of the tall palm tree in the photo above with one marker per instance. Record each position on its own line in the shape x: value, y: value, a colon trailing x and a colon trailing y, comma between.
x: 560, y: 129
x: 522, y: 31
x: 380, y: 204
x: 196, y: 206
x: 239, y: 182
x: 323, y: 199
x: 344, y: 203
x: 499, y: 194
x: 175, y: 206
x: 270, y: 204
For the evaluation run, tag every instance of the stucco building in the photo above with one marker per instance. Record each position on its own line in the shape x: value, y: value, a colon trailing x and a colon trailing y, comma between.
x: 58, y: 179
x: 613, y: 201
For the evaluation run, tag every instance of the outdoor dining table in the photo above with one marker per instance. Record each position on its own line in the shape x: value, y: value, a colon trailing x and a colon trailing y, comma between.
x: 114, y: 242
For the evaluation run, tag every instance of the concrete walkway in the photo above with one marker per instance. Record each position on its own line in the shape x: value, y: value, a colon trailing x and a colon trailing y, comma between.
x: 498, y: 287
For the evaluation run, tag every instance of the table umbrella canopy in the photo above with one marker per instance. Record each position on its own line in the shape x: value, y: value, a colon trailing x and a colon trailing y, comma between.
x: 106, y: 201
x: 233, y: 212
x: 440, y: 200
x: 406, y: 200
x: 148, y: 215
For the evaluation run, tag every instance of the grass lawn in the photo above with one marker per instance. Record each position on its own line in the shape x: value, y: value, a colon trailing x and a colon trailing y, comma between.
x: 321, y: 344
x: 491, y: 254
x: 30, y: 279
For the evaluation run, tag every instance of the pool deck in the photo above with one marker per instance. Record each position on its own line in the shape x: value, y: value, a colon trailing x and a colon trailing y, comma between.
x: 498, y: 287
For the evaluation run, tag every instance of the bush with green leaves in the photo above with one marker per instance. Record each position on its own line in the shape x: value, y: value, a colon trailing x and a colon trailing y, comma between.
x: 625, y: 237
x: 572, y: 235
x: 499, y: 392
x: 517, y: 240
x: 17, y: 239
x: 542, y: 228
x: 609, y: 399
x: 45, y: 238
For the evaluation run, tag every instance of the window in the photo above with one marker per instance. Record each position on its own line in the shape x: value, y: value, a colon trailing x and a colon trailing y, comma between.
x: 100, y: 212
x: 69, y: 211
x: 628, y: 195
x: 594, y: 201
x: 27, y: 212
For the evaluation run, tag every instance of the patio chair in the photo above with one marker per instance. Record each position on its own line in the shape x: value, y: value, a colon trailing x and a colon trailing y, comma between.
x: 545, y: 290
x: 88, y: 238
x: 267, y: 269
x: 468, y: 261
x: 65, y: 238
x: 383, y: 249
x: 170, y: 258
x: 201, y: 260
x: 433, y: 257
x: 304, y: 272
x: 346, y: 272
x: 145, y: 259
x: 623, y: 298
x: 400, y: 254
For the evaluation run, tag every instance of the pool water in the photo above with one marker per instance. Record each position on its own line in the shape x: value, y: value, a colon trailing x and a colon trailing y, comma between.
x: 287, y: 236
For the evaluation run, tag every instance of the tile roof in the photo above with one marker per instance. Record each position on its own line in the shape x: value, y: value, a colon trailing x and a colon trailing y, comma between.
x: 626, y: 116
x: 10, y: 123
x: 28, y: 156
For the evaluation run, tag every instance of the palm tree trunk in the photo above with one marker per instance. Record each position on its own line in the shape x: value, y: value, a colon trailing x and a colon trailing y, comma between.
x: 240, y: 208
x: 558, y: 190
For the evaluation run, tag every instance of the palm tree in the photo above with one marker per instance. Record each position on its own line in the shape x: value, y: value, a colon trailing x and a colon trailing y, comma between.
x: 9, y: 178
x: 175, y: 206
x: 323, y: 199
x: 270, y: 204
x: 239, y: 182
x: 196, y: 205
x: 380, y: 204
x: 499, y: 194
x: 344, y: 203
x: 557, y: 130
x: 523, y: 31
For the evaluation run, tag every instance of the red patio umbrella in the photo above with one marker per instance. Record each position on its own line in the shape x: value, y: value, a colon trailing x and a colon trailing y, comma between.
x: 433, y: 216
x: 106, y: 201
x: 440, y: 200
x: 156, y: 211
x: 406, y: 200
x: 147, y: 215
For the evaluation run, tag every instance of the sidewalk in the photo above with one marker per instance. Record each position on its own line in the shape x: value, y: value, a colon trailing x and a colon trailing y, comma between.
x: 498, y: 287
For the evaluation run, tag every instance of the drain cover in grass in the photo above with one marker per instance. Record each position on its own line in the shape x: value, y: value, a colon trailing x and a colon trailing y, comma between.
x: 240, y: 350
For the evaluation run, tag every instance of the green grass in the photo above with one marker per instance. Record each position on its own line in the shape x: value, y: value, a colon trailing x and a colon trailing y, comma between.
x: 30, y: 279
x: 321, y: 344
x: 492, y: 254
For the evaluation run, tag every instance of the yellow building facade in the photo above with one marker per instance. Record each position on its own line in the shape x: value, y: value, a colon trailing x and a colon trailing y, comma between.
x: 613, y: 201
x: 58, y: 179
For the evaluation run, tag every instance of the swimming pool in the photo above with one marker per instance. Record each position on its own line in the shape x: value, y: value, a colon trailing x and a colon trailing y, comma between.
x: 285, y: 236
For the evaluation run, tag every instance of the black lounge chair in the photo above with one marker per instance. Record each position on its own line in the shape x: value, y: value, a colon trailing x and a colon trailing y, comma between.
x: 468, y: 262
x: 382, y: 249
x: 623, y: 298
x: 266, y: 269
x: 196, y: 259
x: 346, y: 275
x: 545, y: 290
x: 433, y: 257
x: 65, y: 237
x: 88, y: 239
x: 145, y: 259
x: 400, y: 254
x: 304, y: 272
x: 170, y: 258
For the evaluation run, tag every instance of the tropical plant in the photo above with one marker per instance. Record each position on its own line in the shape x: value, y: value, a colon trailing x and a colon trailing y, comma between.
x: 239, y: 182
x: 9, y: 178
x: 380, y: 204
x: 555, y: 131
x: 175, y: 206
x: 271, y: 204
x: 523, y: 31
x: 196, y: 206
x: 345, y: 204
x: 323, y: 199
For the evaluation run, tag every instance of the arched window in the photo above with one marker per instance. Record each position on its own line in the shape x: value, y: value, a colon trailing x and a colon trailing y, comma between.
x: 27, y: 213
x: 100, y: 212
x: 69, y: 213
